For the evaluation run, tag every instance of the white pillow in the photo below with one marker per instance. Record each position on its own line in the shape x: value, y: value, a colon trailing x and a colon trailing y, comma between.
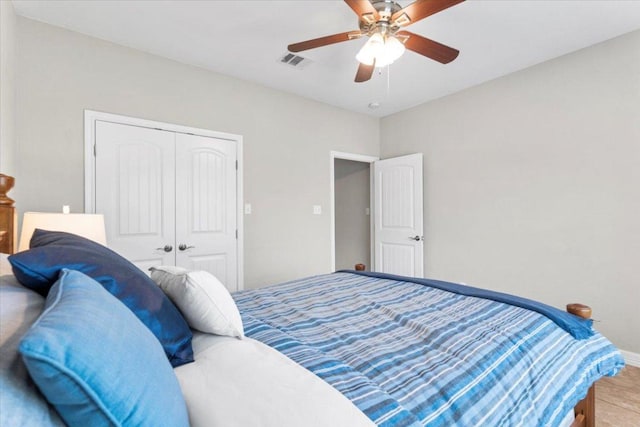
x: 204, y: 302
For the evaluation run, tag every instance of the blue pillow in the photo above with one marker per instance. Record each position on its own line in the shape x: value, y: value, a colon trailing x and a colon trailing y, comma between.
x: 96, y: 363
x: 39, y: 267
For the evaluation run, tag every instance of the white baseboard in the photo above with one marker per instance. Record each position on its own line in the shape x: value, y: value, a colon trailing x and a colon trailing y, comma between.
x: 632, y: 359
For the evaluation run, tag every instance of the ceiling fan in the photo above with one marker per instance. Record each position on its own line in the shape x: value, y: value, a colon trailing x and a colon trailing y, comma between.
x: 381, y: 21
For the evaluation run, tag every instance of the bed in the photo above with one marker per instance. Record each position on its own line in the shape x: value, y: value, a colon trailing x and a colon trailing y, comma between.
x: 342, y: 349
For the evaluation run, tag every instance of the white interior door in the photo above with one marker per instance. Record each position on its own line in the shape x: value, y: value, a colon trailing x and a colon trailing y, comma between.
x: 206, y: 206
x: 135, y: 190
x: 398, y: 221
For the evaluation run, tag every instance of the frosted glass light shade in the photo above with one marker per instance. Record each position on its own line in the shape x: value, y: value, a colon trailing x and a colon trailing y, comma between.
x: 90, y: 226
x: 393, y: 49
x: 371, y: 50
x: 383, y: 49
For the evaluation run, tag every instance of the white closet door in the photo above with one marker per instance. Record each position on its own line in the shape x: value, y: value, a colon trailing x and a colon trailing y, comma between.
x: 206, y: 206
x: 398, y: 233
x: 135, y: 190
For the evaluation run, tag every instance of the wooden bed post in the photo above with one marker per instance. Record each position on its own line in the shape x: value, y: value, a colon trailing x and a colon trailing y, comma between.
x: 585, y: 410
x: 8, y: 223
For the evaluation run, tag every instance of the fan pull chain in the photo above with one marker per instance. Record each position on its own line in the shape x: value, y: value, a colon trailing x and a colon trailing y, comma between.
x: 388, y: 80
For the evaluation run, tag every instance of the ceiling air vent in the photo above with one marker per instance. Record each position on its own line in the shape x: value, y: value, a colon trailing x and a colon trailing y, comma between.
x: 294, y: 60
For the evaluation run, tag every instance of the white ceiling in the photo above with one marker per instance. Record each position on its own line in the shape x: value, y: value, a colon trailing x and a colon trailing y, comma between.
x: 245, y: 39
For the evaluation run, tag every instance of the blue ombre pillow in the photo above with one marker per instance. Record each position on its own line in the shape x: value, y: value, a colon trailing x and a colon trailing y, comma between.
x: 96, y: 363
x: 51, y: 251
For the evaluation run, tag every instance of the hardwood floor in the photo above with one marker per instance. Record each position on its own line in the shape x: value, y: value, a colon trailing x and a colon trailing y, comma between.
x: 618, y: 399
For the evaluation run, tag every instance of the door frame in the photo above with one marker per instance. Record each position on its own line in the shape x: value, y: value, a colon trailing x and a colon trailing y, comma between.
x: 90, y: 118
x: 333, y: 155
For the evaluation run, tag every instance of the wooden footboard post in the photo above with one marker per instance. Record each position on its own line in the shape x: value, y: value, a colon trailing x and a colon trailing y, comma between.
x: 585, y: 410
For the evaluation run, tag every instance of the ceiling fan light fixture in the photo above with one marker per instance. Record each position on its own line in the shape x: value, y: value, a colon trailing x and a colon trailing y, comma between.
x: 381, y: 49
x: 382, y: 21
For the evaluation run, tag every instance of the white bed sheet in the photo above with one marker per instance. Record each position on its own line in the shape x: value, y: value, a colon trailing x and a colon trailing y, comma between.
x: 242, y: 382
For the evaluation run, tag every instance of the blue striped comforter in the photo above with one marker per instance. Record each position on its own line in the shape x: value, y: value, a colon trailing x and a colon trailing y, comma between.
x: 412, y: 355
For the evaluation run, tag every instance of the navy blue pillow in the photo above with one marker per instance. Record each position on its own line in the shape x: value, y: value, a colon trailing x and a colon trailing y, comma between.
x: 51, y: 251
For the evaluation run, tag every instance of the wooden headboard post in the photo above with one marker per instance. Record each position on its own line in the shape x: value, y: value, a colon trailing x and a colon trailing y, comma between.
x: 585, y: 410
x: 8, y: 219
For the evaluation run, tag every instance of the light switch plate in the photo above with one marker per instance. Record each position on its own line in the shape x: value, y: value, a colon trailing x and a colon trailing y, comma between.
x: 247, y: 208
x: 317, y: 210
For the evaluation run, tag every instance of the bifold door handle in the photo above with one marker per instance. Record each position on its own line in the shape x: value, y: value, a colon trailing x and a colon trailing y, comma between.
x: 167, y: 248
x: 184, y: 247
x: 416, y: 238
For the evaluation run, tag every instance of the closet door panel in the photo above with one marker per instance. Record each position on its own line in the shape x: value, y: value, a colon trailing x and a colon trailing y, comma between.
x: 135, y: 190
x: 206, y: 206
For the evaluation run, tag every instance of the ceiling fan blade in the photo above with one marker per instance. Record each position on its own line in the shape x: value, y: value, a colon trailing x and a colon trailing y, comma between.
x: 420, y: 9
x: 364, y: 9
x: 429, y: 48
x: 365, y: 72
x: 324, y: 41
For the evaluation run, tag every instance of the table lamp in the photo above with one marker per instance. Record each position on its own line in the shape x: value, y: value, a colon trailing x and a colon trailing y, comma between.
x: 90, y: 226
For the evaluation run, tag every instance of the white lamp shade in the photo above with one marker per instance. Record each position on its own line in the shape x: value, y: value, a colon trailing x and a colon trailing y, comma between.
x: 90, y: 226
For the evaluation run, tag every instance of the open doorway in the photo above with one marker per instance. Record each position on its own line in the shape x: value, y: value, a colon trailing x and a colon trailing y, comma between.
x: 351, y: 225
x: 396, y: 232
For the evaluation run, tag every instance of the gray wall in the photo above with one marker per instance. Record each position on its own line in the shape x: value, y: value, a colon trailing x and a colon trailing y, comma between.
x: 287, y: 139
x: 352, y: 226
x: 532, y: 183
x: 7, y: 89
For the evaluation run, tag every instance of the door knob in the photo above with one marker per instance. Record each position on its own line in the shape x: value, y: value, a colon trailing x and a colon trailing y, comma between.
x: 184, y: 247
x: 167, y: 248
x: 417, y: 238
